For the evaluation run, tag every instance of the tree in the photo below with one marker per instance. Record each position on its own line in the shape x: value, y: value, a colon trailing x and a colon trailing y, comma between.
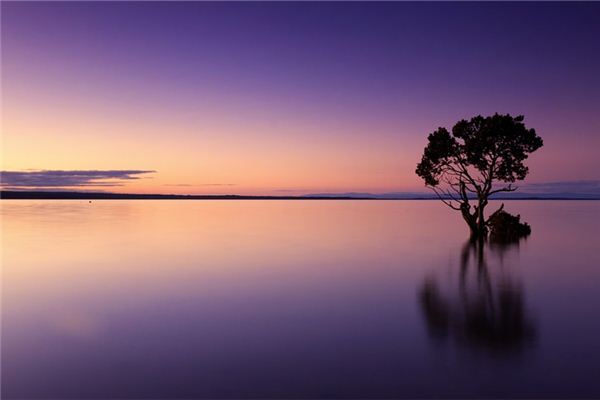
x: 481, y: 157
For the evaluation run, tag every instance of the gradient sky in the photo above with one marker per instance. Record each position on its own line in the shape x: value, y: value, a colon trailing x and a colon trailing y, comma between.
x: 289, y: 98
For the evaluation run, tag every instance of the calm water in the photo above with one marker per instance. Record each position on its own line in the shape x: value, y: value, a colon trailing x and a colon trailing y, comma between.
x: 181, y: 299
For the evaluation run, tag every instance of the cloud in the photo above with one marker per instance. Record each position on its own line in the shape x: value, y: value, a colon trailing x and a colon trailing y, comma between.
x: 44, y: 179
x: 591, y: 186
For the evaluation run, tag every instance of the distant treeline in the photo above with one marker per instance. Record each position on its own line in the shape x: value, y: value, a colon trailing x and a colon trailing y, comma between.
x: 48, y: 195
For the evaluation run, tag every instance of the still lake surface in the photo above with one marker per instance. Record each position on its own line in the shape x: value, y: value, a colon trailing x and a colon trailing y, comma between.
x: 290, y: 299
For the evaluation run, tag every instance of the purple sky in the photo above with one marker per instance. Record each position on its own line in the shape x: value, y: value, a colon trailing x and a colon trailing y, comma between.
x: 264, y: 97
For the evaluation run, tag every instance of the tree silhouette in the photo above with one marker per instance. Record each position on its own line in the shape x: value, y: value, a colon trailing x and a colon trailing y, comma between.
x: 479, y: 158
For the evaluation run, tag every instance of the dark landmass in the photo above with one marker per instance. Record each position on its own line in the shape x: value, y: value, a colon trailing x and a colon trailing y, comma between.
x: 501, y: 196
x: 68, y: 195
x: 46, y: 195
x: 505, y: 228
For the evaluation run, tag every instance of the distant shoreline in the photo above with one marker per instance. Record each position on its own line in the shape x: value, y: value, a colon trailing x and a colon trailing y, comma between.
x: 42, y: 195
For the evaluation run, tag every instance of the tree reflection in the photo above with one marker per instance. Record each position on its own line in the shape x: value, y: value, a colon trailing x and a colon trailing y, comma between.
x: 486, y: 311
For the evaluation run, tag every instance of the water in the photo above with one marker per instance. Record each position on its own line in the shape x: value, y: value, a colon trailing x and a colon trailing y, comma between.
x: 290, y: 299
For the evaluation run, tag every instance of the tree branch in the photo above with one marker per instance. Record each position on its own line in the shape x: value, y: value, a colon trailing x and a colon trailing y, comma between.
x: 509, y: 188
x: 446, y: 202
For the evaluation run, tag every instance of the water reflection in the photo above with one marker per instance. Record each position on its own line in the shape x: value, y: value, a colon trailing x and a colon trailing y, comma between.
x: 484, y: 309
x: 288, y: 299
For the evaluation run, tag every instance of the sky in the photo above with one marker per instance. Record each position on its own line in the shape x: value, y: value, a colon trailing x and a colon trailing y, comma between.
x: 285, y: 98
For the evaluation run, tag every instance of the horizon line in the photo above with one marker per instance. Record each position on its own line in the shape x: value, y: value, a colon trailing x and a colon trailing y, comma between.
x: 85, y: 195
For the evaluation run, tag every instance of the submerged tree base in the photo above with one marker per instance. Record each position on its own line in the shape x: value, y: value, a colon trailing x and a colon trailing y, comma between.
x: 505, y: 227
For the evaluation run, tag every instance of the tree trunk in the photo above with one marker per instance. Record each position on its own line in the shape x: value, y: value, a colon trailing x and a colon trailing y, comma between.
x: 471, y: 220
x: 476, y: 220
x: 481, y: 226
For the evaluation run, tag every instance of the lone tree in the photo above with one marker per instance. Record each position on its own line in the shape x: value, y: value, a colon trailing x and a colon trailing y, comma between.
x: 480, y: 157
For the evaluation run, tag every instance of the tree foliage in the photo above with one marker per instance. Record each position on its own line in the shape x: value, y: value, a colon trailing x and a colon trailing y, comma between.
x: 480, y: 157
